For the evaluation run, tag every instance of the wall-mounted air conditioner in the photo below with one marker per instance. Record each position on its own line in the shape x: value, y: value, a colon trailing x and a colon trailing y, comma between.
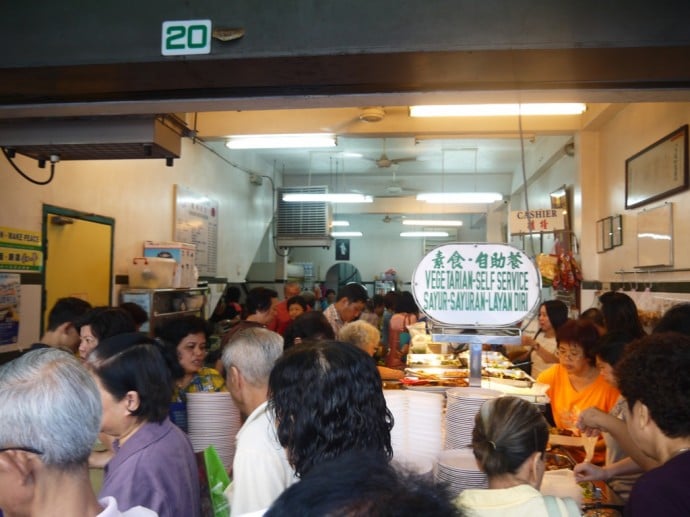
x: 303, y: 224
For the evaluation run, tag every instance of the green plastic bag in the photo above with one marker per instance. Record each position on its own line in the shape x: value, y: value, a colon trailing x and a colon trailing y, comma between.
x: 218, y: 481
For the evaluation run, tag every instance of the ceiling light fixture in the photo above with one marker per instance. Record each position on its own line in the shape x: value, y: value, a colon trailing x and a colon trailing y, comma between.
x: 431, y: 222
x: 281, y: 141
x: 424, y: 234
x: 346, y: 234
x: 297, y: 197
x: 459, y: 197
x: 340, y: 223
x: 497, y: 110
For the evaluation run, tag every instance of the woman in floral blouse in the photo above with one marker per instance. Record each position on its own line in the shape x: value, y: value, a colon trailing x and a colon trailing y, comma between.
x: 184, y: 340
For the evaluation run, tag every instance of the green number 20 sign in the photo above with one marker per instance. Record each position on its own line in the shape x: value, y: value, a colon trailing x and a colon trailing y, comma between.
x: 185, y: 37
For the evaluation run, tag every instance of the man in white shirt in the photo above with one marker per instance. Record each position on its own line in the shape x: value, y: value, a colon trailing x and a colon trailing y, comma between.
x: 260, y: 470
x: 349, y: 304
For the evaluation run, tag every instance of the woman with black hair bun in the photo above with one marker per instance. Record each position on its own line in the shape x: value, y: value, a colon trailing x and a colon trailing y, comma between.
x: 509, y: 441
x: 154, y: 464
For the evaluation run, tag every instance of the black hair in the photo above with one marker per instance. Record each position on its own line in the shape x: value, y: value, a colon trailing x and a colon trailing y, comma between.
x: 406, y: 303
x: 353, y: 292
x: 260, y: 299
x: 67, y: 310
x: 612, y: 345
x: 299, y: 300
x: 310, y: 325
x: 172, y: 332
x: 654, y: 371
x: 176, y: 329
x: 390, y: 299
x: 507, y: 431
x: 594, y: 315
x: 357, y: 483
x: 232, y: 294
x: 134, y: 364
x: 139, y: 315
x: 377, y: 301
x: 675, y: 319
x: 620, y: 314
x: 328, y: 399
x: 105, y: 322
x: 557, y: 311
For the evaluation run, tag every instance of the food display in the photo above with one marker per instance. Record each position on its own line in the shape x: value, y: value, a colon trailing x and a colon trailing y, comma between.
x: 436, y: 377
x: 447, y: 360
x: 451, y: 370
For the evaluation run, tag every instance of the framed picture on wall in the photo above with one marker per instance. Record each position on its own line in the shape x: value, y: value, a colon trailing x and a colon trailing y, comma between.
x: 655, y: 237
x: 342, y: 249
x: 657, y: 171
x: 601, y: 233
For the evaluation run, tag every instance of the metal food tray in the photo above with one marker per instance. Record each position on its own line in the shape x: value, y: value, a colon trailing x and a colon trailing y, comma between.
x: 435, y: 360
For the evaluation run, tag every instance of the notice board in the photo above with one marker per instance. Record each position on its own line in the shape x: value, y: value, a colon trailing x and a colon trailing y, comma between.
x: 196, y: 222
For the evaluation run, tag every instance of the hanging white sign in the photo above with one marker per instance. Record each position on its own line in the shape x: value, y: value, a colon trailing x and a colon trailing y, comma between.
x: 483, y: 285
x: 540, y: 220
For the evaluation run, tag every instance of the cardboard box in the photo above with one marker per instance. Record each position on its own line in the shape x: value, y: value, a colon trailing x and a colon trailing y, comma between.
x: 152, y: 272
x: 183, y: 253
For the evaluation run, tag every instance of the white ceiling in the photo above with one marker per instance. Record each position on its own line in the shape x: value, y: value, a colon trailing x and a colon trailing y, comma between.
x: 440, y: 155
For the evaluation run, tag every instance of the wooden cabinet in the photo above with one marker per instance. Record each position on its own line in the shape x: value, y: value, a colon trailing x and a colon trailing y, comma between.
x: 162, y: 304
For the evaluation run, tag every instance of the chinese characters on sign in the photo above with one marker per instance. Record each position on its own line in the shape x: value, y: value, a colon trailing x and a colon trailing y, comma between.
x: 542, y: 220
x: 478, y: 284
x: 20, y: 250
x: 196, y: 222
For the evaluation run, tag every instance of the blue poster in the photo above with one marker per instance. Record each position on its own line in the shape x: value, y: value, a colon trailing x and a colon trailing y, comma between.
x: 10, y: 289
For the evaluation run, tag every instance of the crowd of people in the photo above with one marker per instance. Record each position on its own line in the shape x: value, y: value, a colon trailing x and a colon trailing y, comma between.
x: 316, y: 433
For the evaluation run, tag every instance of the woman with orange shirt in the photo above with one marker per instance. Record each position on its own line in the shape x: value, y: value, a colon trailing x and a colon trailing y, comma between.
x: 575, y: 382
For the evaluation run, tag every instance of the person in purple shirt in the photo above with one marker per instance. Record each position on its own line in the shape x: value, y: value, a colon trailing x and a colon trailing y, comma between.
x: 154, y: 465
x: 51, y: 412
x: 653, y: 378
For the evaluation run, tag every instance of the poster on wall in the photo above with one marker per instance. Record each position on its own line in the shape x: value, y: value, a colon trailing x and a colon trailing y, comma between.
x: 20, y: 250
x: 196, y: 222
x: 10, y: 289
x: 342, y: 249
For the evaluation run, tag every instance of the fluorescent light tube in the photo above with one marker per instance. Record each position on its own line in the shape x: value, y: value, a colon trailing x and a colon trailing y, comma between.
x: 340, y: 223
x: 297, y: 197
x: 460, y: 197
x: 281, y: 141
x: 431, y: 222
x: 497, y: 110
x: 346, y: 234
x: 424, y: 234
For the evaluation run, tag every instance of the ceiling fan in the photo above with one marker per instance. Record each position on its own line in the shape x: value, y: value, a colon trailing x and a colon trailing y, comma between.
x: 383, y: 162
x: 395, y: 188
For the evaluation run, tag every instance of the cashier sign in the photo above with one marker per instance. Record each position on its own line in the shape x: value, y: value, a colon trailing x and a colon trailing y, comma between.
x: 486, y: 285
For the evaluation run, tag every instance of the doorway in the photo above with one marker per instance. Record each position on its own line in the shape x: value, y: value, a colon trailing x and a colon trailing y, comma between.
x: 78, y: 257
x: 341, y: 274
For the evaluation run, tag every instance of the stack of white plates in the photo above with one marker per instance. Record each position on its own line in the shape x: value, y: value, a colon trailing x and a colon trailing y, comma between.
x: 462, y: 406
x: 424, y: 423
x: 396, y: 400
x: 213, y: 419
x: 458, y: 470
x: 416, y: 433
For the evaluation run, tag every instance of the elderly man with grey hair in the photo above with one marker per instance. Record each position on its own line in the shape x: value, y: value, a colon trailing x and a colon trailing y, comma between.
x: 51, y: 414
x: 260, y: 470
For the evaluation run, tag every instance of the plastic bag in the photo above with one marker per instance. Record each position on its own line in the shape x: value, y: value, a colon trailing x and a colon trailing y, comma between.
x: 218, y: 481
